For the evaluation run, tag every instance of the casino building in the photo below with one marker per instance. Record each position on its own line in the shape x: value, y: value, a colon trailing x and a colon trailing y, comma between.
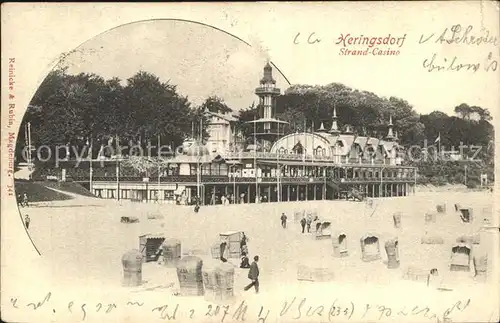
x: 322, y: 164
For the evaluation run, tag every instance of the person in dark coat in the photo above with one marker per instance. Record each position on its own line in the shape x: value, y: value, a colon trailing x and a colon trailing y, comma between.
x: 27, y: 221
x: 223, y: 246
x: 245, y: 263
x: 253, y: 274
x: 283, y: 220
x: 303, y: 223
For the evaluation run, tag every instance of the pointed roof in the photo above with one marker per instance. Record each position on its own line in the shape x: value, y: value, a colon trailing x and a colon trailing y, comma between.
x: 334, y: 130
x: 361, y: 141
x: 268, y: 75
x: 390, y: 135
x: 322, y: 127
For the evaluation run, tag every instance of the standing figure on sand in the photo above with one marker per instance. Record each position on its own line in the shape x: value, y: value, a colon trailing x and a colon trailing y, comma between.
x: 25, y: 199
x: 283, y: 220
x: 303, y: 223
x: 27, y: 221
x: 308, y: 222
x: 253, y: 275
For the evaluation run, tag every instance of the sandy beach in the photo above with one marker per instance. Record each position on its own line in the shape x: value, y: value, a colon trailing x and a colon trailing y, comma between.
x: 84, y: 244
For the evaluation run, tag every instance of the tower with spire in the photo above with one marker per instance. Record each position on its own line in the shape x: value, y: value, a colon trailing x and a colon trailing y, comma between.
x: 334, y: 130
x: 267, y: 127
x: 390, y: 136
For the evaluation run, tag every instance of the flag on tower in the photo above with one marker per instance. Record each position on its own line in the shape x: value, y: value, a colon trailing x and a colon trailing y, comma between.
x: 438, y: 139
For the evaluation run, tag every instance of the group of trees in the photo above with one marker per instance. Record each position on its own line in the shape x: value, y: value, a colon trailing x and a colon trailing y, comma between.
x: 77, y: 109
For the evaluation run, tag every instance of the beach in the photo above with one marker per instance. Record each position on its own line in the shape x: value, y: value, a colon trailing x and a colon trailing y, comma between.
x: 83, y: 240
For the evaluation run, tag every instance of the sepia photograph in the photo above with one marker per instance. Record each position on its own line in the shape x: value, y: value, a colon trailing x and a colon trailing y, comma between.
x: 164, y: 166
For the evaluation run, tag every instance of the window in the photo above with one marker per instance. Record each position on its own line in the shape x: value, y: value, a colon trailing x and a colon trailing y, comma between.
x: 153, y: 194
x: 168, y: 195
x: 171, y: 171
x: 214, y: 169
x: 111, y: 194
x: 193, y: 170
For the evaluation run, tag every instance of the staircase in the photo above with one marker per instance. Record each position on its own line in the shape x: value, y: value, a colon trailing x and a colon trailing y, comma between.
x: 336, y: 185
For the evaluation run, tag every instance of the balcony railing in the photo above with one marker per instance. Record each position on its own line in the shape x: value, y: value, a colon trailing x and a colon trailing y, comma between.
x: 265, y: 89
x: 338, y: 159
x: 231, y: 179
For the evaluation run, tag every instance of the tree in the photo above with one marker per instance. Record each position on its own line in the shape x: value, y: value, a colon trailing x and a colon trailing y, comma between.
x: 216, y: 105
x: 75, y: 109
x: 367, y: 113
x: 155, y: 109
x: 245, y: 116
x: 464, y: 111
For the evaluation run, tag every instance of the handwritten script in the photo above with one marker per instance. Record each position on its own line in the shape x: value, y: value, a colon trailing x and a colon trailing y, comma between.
x: 293, y: 309
x: 458, y: 35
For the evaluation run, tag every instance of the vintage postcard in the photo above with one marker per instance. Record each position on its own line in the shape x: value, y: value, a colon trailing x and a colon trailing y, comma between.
x: 250, y: 162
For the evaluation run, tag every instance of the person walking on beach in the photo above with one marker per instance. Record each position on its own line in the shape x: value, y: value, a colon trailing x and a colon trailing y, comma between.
x: 303, y: 223
x: 308, y: 222
x: 253, y: 274
x: 25, y: 199
x: 283, y: 220
x: 27, y: 221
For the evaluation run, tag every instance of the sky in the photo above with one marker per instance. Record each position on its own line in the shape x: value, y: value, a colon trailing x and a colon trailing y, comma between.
x: 204, y: 61
x: 200, y: 60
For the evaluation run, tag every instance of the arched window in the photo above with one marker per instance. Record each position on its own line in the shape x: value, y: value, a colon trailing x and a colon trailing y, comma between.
x: 282, y: 151
x: 318, y: 151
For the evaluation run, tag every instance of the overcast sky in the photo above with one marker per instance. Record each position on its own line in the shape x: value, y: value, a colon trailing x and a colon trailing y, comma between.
x: 204, y: 61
